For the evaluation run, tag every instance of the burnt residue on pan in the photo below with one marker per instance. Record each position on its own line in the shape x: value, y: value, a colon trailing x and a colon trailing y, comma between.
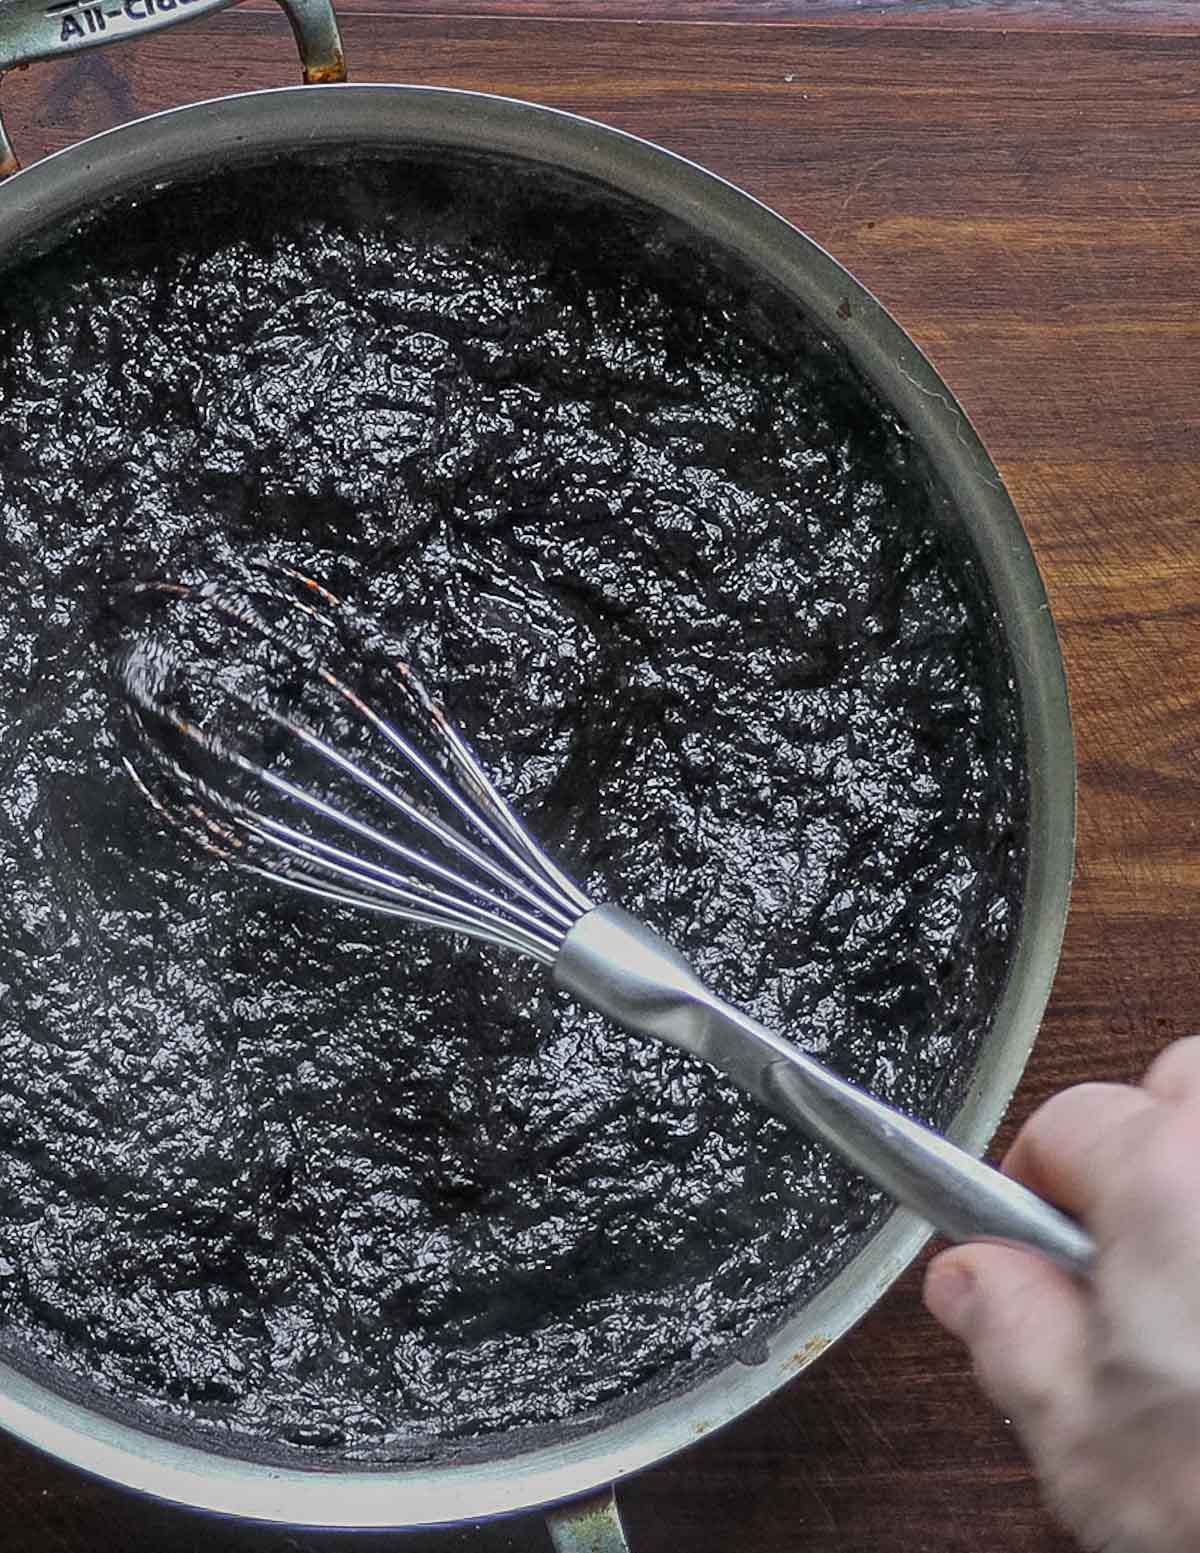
x: 330, y: 1182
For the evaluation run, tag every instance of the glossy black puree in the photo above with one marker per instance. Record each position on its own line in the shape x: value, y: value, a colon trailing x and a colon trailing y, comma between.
x: 271, y: 1169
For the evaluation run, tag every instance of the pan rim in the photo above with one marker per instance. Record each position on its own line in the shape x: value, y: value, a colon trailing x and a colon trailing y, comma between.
x: 226, y: 130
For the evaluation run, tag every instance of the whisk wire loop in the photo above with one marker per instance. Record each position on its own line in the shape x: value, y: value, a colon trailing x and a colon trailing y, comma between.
x: 520, y: 849
x: 496, y: 884
x: 412, y: 812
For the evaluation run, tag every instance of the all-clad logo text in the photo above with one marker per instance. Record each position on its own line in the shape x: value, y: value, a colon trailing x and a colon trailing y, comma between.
x: 78, y: 21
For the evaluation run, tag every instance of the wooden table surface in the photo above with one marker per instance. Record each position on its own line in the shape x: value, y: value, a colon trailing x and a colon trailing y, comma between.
x: 1020, y: 184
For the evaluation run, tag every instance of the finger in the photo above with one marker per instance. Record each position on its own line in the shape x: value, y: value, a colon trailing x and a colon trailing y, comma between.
x: 1071, y: 1146
x: 1149, y: 1212
x: 1025, y: 1323
x: 1175, y: 1073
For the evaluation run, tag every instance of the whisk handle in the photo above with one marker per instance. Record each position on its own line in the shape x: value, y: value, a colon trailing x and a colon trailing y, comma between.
x: 959, y: 1195
x: 618, y: 965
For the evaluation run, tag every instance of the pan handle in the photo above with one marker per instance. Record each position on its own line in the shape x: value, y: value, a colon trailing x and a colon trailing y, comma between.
x: 588, y: 1525
x: 50, y: 29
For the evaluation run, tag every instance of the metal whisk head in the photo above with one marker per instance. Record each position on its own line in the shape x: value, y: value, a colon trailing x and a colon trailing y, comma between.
x: 285, y: 733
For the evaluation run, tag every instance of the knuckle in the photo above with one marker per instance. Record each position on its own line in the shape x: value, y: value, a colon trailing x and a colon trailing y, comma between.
x: 1175, y: 1072
x: 1072, y: 1118
x: 1042, y: 1132
x: 1160, y: 1171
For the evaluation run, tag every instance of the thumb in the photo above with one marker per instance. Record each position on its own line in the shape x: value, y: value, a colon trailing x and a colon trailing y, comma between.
x: 1025, y: 1323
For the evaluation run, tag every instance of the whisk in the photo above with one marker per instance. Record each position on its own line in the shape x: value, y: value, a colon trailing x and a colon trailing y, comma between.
x: 277, y: 759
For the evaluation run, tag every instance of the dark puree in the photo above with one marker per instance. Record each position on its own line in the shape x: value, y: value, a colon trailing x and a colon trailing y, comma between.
x: 682, y: 580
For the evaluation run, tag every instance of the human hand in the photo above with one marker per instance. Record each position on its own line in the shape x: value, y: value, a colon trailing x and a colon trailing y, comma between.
x: 1101, y: 1380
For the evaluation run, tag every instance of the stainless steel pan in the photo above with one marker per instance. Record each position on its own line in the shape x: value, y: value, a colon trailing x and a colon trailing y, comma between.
x: 323, y: 118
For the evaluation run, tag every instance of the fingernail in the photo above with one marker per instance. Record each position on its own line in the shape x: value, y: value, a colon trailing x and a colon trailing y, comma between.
x: 949, y: 1295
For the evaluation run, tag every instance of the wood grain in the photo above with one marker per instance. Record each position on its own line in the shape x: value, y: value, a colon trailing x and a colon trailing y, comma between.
x: 1028, y: 205
x: 1143, y: 16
